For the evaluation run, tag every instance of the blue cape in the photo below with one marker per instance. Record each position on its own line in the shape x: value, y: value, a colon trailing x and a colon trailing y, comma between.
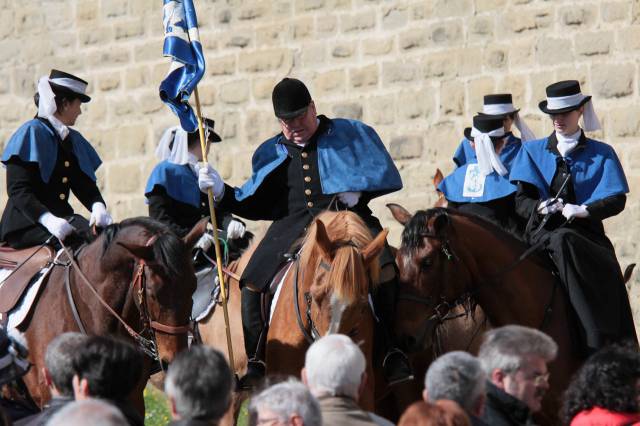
x: 596, y: 172
x: 35, y: 142
x: 178, y: 180
x: 351, y: 157
x: 495, y: 186
x: 466, y: 154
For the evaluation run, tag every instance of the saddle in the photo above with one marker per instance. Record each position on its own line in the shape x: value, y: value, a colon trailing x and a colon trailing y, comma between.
x: 24, y: 264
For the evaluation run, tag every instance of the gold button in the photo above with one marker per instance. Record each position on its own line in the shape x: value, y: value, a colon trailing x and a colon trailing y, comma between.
x: 307, y: 191
x: 304, y: 155
x: 65, y: 179
x: 307, y: 179
x: 67, y: 164
x: 202, y: 204
x: 62, y: 196
x: 309, y: 204
x: 305, y: 166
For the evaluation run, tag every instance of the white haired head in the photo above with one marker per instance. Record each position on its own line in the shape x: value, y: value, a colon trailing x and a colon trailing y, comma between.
x: 334, y: 365
x: 286, y: 400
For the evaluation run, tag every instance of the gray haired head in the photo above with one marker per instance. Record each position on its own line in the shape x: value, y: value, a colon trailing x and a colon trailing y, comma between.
x: 287, y: 399
x: 59, y: 360
x: 506, y: 347
x: 95, y: 412
x: 456, y: 376
x: 199, y: 380
x: 334, y: 365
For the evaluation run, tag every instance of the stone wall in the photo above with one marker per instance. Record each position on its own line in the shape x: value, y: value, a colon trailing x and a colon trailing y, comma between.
x: 415, y: 70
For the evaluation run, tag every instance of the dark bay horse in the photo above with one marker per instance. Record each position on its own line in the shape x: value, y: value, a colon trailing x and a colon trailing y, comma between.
x: 141, y: 270
x: 449, y: 259
x: 333, y: 273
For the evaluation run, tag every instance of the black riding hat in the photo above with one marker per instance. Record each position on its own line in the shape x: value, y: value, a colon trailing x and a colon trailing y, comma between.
x: 290, y: 98
x: 498, y: 105
x: 563, y: 96
x: 63, y: 83
x: 208, y: 125
x: 486, y: 124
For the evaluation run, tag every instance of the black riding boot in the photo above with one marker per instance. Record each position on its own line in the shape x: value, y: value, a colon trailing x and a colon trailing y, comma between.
x: 395, y: 365
x: 254, y: 338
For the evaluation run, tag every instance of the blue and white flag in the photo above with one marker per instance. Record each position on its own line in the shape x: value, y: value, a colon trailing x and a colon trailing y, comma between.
x: 182, y: 44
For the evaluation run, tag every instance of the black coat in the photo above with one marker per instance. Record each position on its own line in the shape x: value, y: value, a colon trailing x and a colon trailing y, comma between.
x: 30, y: 197
x: 502, y: 409
x: 583, y: 256
x: 501, y: 211
x: 49, y: 410
x: 291, y: 196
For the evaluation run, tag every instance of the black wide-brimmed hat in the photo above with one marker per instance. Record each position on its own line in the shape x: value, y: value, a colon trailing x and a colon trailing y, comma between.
x: 498, y: 105
x: 290, y: 98
x: 63, y: 83
x: 208, y: 125
x: 563, y: 96
x: 486, y: 124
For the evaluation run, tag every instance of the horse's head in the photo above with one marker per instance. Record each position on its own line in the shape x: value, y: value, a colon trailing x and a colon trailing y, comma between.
x: 155, y: 265
x: 432, y: 280
x: 340, y: 264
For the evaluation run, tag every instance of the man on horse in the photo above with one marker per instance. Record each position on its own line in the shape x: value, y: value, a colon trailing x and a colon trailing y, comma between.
x: 314, y: 164
x: 45, y: 159
x: 481, y: 184
x: 567, y: 185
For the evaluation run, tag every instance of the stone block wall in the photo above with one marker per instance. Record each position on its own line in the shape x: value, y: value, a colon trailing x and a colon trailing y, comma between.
x: 415, y: 70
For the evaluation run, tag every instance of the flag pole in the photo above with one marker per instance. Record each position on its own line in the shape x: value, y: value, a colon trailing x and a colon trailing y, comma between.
x: 214, y: 222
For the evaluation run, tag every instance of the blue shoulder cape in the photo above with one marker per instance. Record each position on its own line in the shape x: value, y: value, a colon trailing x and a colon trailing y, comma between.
x: 596, y: 172
x: 465, y: 154
x: 495, y: 186
x: 35, y: 142
x: 178, y: 180
x: 351, y: 157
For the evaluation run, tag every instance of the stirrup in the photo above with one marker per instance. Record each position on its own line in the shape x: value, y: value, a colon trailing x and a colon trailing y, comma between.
x: 256, y: 370
x: 396, y: 367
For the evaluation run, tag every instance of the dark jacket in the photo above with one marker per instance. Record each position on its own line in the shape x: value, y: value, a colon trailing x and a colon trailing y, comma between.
x: 193, y: 422
x: 52, y: 407
x: 502, y: 409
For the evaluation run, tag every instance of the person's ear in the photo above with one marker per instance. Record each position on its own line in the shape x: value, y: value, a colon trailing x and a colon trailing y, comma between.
x: 303, y: 376
x: 80, y: 388
x: 47, y: 377
x: 425, y: 395
x: 497, y: 378
x: 172, y: 408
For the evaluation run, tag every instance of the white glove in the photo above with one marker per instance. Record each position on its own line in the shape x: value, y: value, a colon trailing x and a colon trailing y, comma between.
x: 57, y: 226
x: 571, y: 210
x: 205, y: 241
x: 349, y: 199
x: 99, y: 215
x: 209, y: 178
x: 550, y: 206
x: 235, y: 229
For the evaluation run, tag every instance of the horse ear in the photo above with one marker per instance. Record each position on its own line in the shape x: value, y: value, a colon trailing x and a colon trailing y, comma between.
x: 139, y: 251
x: 437, y: 178
x: 374, y: 247
x: 440, y: 223
x: 323, y: 241
x: 399, y: 213
x: 196, y: 232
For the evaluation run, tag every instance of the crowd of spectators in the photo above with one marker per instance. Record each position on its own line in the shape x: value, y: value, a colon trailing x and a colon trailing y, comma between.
x: 90, y: 379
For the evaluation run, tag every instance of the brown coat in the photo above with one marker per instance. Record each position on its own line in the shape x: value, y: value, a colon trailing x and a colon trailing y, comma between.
x: 343, y: 411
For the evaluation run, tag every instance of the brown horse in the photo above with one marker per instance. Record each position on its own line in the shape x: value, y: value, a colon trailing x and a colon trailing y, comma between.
x: 142, y: 271
x: 444, y: 263
x: 332, y: 277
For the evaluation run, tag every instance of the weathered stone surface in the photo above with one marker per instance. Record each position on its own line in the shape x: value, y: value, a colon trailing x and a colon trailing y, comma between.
x: 348, y: 110
x: 399, y: 72
x: 123, y: 177
x: 623, y: 122
x: 613, y: 80
x: 376, y: 47
x: 406, y: 147
x: 576, y: 15
x: 589, y: 44
x: 364, y: 77
x: 553, y: 51
x: 109, y: 81
x: 357, y: 22
x: 330, y: 81
x: 452, y: 98
x: 381, y: 110
x: 615, y: 11
x: 447, y: 8
x: 446, y: 33
x: 395, y: 17
x: 235, y: 92
x: 490, y: 5
x: 264, y: 60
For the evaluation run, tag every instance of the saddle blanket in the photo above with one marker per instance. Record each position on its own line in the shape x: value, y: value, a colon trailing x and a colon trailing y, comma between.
x: 18, y: 314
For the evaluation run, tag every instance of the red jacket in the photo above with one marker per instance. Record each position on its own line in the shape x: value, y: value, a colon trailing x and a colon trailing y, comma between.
x: 601, y: 417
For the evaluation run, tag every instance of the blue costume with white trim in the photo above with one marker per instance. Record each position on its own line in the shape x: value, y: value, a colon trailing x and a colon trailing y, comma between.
x: 465, y: 153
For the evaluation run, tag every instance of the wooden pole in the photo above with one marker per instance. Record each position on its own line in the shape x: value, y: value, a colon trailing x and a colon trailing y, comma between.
x: 214, y: 222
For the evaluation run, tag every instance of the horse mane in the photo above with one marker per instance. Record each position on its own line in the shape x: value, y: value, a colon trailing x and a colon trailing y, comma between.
x: 168, y: 249
x: 349, y: 276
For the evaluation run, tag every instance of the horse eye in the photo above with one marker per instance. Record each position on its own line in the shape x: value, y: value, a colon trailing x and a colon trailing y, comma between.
x: 426, y: 263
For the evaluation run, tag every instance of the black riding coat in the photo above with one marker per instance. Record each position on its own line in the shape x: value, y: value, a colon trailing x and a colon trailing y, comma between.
x: 501, y: 211
x: 30, y: 197
x: 291, y: 196
x: 583, y: 255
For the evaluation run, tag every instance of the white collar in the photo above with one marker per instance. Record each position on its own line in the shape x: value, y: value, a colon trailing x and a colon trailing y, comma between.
x: 61, y: 129
x: 566, y: 144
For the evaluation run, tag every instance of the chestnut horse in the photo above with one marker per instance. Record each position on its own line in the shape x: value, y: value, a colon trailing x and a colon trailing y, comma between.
x: 444, y: 263
x: 142, y: 271
x: 332, y: 277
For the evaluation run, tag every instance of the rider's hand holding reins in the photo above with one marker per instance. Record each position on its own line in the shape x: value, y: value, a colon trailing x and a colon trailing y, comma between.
x: 235, y: 229
x: 572, y: 210
x: 208, y: 177
x: 100, y: 217
x: 57, y: 226
x: 349, y: 199
x: 551, y: 206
